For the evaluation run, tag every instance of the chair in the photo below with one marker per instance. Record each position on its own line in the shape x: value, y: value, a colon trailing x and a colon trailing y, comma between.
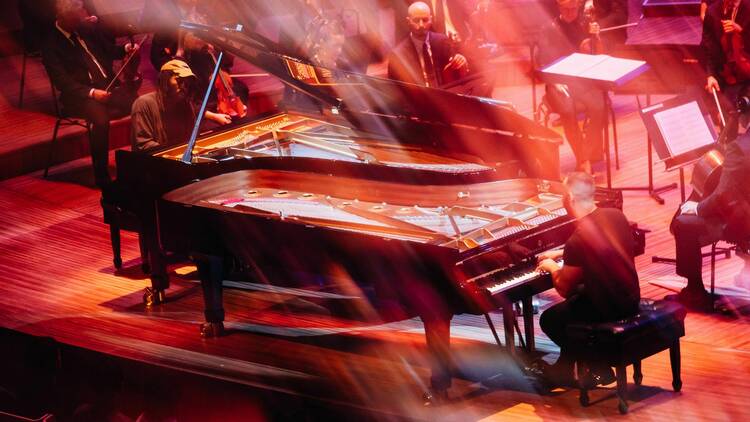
x: 63, y: 119
x: 38, y: 18
x: 657, y: 327
x: 545, y: 109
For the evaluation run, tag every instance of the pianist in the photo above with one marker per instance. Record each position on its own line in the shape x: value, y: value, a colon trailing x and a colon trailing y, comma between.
x: 598, y: 279
x: 165, y: 117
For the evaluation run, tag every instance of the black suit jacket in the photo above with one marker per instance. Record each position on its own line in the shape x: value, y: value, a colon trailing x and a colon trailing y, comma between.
x: 403, y: 62
x: 67, y: 68
x: 712, y: 32
x: 733, y: 188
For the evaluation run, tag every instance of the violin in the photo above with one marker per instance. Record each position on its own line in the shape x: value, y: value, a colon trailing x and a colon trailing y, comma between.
x: 737, y: 66
x: 227, y: 101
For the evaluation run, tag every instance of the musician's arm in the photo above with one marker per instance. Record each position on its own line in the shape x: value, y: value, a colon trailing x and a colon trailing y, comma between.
x: 143, y: 128
x: 60, y: 76
x: 730, y: 175
x: 711, y: 49
x: 567, y: 279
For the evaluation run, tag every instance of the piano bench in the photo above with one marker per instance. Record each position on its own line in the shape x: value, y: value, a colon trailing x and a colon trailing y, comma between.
x: 657, y: 327
x: 118, y: 217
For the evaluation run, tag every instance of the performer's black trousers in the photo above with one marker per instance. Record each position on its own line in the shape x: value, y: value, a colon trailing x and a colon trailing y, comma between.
x: 692, y: 232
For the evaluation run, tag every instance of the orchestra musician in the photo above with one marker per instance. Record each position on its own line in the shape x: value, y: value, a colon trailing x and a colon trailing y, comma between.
x: 568, y: 33
x: 424, y: 57
x: 722, y: 214
x: 169, y: 42
x: 598, y: 279
x: 78, y: 60
x: 725, y: 42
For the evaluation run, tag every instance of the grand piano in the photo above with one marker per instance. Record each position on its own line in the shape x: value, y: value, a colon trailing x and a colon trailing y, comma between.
x: 407, y: 250
x: 337, y: 123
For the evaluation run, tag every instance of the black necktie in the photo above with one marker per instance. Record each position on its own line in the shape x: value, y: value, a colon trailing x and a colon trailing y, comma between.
x: 97, y: 77
x: 429, y: 68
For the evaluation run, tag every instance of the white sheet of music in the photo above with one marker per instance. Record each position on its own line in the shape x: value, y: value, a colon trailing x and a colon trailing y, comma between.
x: 600, y: 67
x: 683, y: 128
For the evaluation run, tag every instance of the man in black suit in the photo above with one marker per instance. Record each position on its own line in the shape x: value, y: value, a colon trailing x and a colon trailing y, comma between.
x: 424, y: 57
x: 79, y: 60
x: 723, y: 214
x: 726, y: 18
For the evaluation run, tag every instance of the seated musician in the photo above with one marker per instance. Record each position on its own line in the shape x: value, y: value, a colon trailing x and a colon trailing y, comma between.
x: 79, y: 60
x: 722, y: 214
x: 726, y: 46
x: 424, y: 57
x: 598, y: 279
x: 165, y: 116
x: 169, y: 42
x: 568, y: 33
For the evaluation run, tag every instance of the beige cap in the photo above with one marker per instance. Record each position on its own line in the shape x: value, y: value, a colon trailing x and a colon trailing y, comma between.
x: 178, y: 67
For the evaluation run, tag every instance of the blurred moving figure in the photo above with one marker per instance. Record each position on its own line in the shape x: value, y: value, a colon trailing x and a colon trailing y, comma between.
x: 424, y: 57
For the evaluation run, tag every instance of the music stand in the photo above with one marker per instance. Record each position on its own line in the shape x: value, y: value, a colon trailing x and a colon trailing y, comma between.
x: 599, y: 71
x: 681, y: 131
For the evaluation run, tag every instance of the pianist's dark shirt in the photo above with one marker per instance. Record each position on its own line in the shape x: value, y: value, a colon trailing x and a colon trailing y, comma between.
x: 604, y: 247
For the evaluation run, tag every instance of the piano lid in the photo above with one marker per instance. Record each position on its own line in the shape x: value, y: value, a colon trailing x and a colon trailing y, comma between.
x: 352, y: 95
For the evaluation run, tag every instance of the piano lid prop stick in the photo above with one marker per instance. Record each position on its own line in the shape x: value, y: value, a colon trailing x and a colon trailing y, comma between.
x: 187, y: 157
x: 718, y: 106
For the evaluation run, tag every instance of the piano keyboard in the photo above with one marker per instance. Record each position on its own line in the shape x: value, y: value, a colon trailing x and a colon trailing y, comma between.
x: 507, y: 283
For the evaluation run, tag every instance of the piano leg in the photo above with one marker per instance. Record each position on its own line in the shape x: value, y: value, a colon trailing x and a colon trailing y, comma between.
x: 437, y: 330
x: 528, y: 322
x: 211, y: 272
x: 509, y: 318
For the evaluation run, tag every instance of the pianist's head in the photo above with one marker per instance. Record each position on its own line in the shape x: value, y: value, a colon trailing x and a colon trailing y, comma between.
x: 579, y: 194
x: 420, y: 19
x: 176, y: 82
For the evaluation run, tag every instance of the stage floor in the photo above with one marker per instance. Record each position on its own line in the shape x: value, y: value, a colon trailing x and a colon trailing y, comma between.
x: 57, y: 280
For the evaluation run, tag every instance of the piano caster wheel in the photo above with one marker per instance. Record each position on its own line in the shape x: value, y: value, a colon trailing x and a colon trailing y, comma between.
x: 153, y: 297
x: 212, y: 329
x: 118, y: 263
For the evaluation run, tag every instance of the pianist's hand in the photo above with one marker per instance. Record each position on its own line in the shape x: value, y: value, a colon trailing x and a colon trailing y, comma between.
x: 547, y: 266
x: 689, y: 208
x: 554, y: 254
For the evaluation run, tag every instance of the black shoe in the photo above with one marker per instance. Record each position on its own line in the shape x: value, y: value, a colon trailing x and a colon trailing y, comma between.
x: 598, y: 375
x: 551, y: 375
x: 696, y: 299
x: 434, y: 397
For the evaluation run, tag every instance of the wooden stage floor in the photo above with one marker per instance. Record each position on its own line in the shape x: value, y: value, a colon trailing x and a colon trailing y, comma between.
x: 57, y: 280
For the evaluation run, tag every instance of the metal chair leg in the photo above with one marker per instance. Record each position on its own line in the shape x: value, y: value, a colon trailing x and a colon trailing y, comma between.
x: 51, y: 148
x: 23, y: 80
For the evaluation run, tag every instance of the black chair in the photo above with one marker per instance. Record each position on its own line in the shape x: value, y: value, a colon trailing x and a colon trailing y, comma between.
x: 657, y: 327
x: 38, y: 18
x: 63, y: 119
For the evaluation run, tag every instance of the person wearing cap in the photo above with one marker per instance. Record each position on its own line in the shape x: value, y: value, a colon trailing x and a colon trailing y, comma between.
x: 166, y: 116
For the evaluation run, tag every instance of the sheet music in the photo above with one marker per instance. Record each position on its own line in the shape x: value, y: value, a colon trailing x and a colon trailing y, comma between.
x: 683, y: 128
x: 574, y: 64
x: 599, y: 67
